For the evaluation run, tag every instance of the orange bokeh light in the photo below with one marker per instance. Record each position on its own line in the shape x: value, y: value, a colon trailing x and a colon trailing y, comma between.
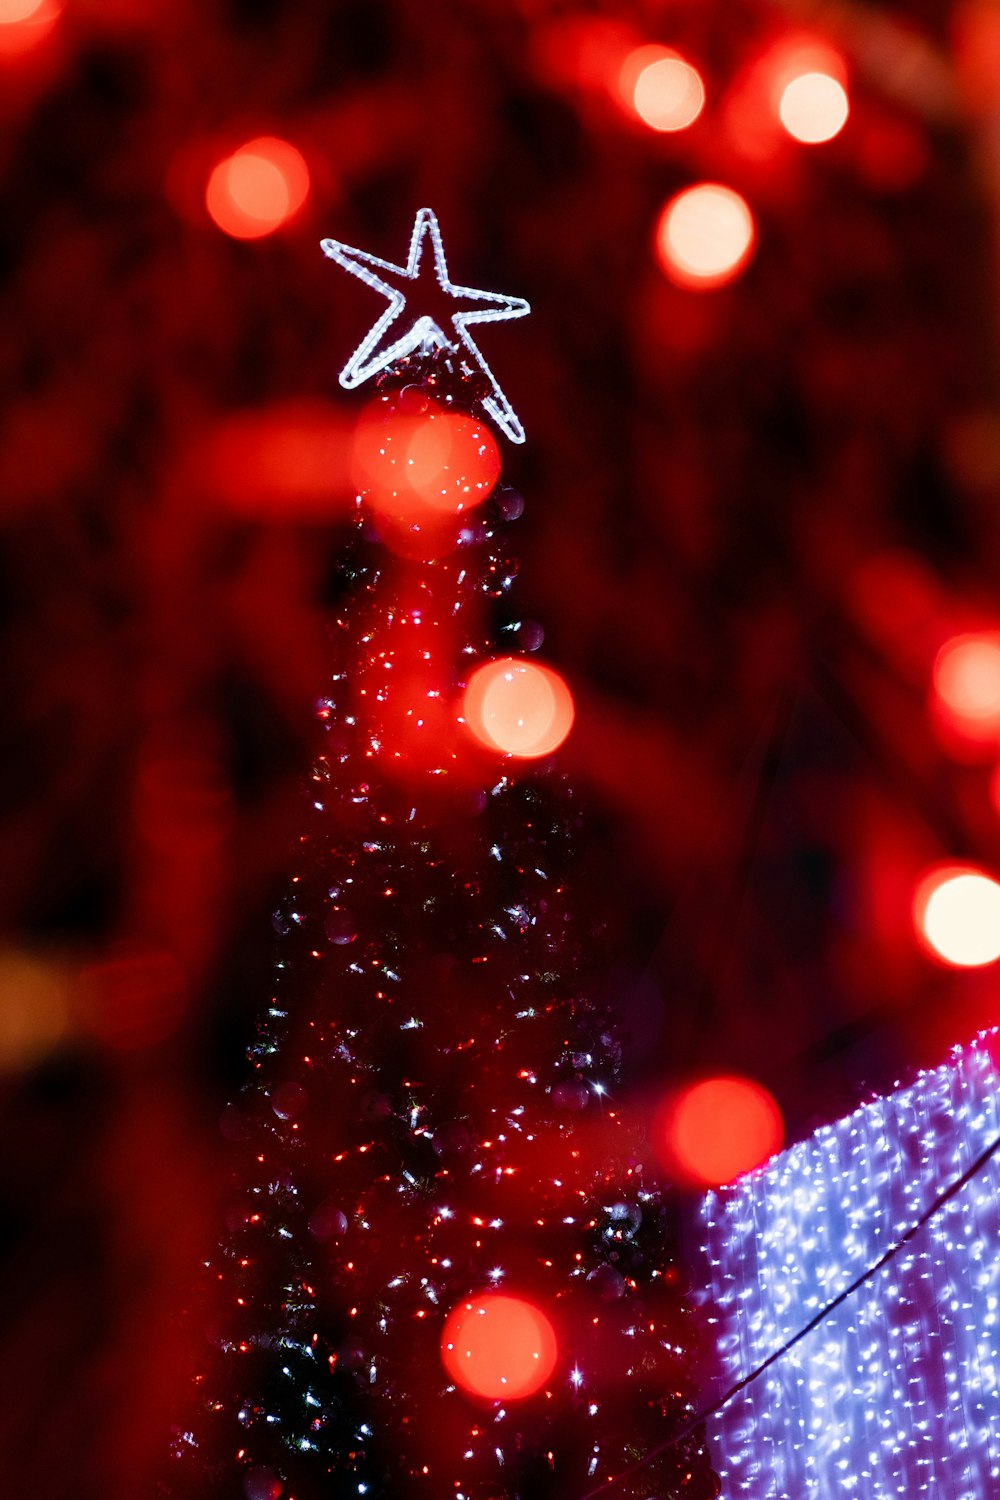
x: 258, y: 188
x: 956, y: 911
x: 427, y: 464
x: 814, y: 107
x: 499, y: 1348
x: 666, y: 92
x: 967, y: 679
x: 713, y: 1131
x: 705, y: 236
x: 519, y: 707
x: 34, y: 1008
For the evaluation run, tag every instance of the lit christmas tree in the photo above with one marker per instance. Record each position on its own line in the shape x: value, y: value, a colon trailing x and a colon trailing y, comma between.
x: 446, y: 1271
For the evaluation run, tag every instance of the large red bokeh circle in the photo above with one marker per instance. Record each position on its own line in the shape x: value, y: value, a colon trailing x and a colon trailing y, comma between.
x: 497, y: 1347
x: 520, y: 707
x: 713, y: 1131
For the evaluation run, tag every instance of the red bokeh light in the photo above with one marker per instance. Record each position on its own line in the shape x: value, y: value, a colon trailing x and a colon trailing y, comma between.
x: 666, y: 92
x: 813, y: 107
x: 257, y: 189
x: 713, y: 1131
x: 956, y: 911
x: 498, y: 1347
x: 26, y: 23
x: 966, y: 680
x: 519, y: 707
x: 705, y: 236
x: 423, y: 464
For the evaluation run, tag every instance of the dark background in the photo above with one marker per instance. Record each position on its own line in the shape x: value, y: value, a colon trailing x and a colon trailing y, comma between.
x: 753, y: 516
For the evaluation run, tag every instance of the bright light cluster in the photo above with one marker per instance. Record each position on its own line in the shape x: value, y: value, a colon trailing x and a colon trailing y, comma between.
x: 896, y: 1392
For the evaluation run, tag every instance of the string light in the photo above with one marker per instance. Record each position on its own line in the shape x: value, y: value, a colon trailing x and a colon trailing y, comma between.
x: 814, y: 108
x: 957, y: 913
x: 895, y: 1392
x: 705, y: 236
x: 424, y: 333
x: 258, y: 188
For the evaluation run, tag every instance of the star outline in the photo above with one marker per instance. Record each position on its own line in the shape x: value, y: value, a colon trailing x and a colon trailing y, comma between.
x: 369, y: 359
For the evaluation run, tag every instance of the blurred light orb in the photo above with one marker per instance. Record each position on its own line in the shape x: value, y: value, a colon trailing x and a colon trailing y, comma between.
x: 668, y: 94
x: 34, y: 1008
x: 705, y: 236
x: 12, y: 11
x: 423, y: 464
x: 966, y: 677
x: 25, y: 24
x: 497, y: 1347
x: 814, y: 108
x: 519, y: 707
x: 957, y: 912
x: 720, y: 1128
x: 258, y: 188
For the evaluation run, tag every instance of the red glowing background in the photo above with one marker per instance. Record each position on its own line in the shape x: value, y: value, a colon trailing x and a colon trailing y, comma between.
x: 760, y: 532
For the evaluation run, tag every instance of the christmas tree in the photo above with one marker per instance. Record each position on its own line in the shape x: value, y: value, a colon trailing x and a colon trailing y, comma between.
x: 447, y: 1270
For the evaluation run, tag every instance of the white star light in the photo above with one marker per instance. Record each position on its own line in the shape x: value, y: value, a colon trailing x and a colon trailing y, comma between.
x: 377, y: 352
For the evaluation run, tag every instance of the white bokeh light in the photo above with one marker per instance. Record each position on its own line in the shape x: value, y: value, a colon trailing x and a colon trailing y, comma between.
x: 958, y: 913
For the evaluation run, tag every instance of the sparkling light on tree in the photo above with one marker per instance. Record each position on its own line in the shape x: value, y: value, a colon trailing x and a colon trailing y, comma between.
x: 447, y: 1271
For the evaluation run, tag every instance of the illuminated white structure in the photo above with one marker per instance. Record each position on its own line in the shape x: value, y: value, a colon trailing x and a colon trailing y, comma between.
x: 392, y: 336
x: 895, y: 1393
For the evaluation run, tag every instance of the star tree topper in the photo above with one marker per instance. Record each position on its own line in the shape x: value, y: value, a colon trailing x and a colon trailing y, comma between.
x: 377, y: 350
